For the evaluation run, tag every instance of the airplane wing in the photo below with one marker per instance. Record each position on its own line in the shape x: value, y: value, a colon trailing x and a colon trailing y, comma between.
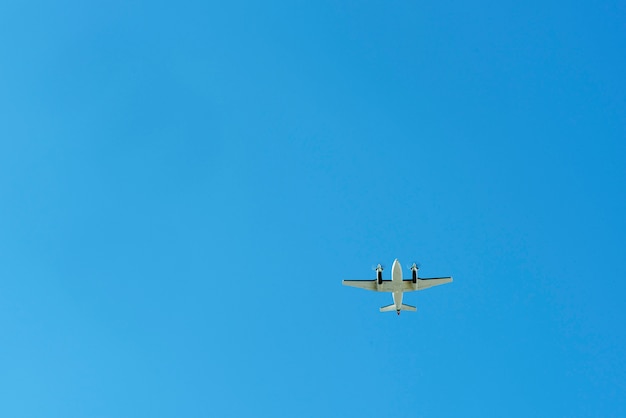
x: 363, y: 284
x: 435, y: 281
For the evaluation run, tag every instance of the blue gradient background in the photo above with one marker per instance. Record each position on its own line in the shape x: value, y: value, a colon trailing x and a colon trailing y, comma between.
x: 184, y: 185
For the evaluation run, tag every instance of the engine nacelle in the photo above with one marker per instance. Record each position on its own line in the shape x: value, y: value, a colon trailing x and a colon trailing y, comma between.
x: 414, y: 269
x: 379, y: 274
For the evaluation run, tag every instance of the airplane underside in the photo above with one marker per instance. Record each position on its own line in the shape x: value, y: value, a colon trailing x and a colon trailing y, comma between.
x: 397, y: 285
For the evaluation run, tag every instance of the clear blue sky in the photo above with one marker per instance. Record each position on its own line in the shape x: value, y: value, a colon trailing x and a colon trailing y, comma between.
x: 184, y: 185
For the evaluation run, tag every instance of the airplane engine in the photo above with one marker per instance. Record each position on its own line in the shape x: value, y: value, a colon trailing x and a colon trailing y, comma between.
x: 379, y: 274
x: 414, y: 269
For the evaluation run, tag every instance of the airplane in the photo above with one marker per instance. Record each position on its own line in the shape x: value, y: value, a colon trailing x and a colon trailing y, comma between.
x: 397, y: 285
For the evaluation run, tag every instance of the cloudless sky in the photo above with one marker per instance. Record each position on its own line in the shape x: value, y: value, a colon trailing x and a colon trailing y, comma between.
x: 184, y: 185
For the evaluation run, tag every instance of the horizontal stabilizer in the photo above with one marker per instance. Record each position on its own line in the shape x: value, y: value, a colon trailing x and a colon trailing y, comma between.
x: 392, y: 308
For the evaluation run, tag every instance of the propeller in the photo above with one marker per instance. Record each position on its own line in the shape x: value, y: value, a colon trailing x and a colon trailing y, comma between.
x: 415, y: 266
x: 378, y: 267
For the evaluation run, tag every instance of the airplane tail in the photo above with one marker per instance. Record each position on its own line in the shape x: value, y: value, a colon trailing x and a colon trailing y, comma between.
x: 392, y: 308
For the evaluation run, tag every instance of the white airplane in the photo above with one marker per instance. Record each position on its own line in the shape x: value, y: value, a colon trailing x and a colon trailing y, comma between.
x: 397, y: 286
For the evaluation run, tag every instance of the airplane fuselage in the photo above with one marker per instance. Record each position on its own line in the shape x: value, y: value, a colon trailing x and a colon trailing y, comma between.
x: 397, y: 285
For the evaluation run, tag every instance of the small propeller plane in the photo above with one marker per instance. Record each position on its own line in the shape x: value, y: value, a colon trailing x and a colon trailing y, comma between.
x: 397, y: 285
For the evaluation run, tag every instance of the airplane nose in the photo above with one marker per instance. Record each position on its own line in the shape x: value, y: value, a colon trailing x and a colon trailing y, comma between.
x: 396, y: 271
